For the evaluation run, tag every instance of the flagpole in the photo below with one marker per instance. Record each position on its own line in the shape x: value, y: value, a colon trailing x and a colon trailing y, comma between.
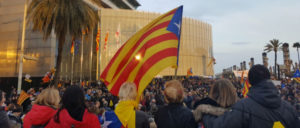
x: 176, y: 68
x: 81, y: 58
x: 22, y: 49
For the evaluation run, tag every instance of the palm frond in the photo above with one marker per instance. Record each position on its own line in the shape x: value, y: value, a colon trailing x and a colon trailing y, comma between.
x: 296, y: 45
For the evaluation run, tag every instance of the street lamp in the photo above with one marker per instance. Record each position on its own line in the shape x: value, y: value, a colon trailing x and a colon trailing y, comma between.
x: 22, y: 48
x: 138, y: 57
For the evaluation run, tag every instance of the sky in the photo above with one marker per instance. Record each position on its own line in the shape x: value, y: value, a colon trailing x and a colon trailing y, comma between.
x: 240, y: 28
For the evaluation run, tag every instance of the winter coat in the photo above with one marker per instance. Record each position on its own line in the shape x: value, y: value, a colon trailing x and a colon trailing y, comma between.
x: 39, y: 115
x: 141, y: 120
x: 89, y: 120
x: 204, y: 109
x: 263, y: 109
x: 4, y: 121
x: 174, y: 116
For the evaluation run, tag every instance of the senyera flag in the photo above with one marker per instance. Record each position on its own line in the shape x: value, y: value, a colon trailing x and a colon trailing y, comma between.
x: 152, y: 49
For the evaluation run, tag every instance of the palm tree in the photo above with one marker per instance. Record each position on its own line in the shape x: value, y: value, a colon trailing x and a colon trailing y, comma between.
x: 297, y: 45
x: 65, y: 17
x: 274, y: 45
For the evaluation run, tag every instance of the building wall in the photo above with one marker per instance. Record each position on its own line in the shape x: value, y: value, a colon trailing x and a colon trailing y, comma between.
x: 195, y: 49
x: 195, y: 45
x: 11, y: 21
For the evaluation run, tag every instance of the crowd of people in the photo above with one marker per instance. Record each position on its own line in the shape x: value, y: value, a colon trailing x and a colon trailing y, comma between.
x: 184, y: 103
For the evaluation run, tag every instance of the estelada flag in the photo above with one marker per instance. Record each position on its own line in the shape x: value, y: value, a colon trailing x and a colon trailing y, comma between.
x: 152, y: 49
x: 296, y: 76
x: 189, y: 72
x: 23, y: 96
x: 246, y: 88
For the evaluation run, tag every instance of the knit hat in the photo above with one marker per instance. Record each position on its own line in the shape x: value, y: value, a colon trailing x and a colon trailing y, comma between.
x: 257, y: 74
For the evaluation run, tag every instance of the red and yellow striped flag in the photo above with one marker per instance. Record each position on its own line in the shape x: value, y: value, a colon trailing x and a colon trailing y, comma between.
x: 72, y: 47
x: 145, y: 54
x: 23, y: 96
x: 98, y: 39
x: 242, y: 77
x: 245, y: 91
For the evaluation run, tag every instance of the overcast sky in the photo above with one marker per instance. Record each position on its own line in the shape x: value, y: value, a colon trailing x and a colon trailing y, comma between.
x: 241, y: 28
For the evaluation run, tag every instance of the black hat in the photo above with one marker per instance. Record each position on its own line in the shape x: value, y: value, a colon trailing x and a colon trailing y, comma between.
x: 257, y: 74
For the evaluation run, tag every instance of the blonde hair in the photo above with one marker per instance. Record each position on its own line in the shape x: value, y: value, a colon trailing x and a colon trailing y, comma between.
x: 128, y: 91
x: 223, y: 92
x: 173, y: 92
x: 49, y: 97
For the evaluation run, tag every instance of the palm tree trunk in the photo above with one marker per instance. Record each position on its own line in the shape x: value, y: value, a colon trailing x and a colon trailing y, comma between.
x: 298, y: 56
x: 275, y: 64
x: 61, y: 42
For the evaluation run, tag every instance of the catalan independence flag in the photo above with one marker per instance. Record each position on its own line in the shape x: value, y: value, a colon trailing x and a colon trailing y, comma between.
x: 189, y: 72
x: 23, y: 96
x: 245, y: 91
x: 296, y: 76
x: 152, y: 49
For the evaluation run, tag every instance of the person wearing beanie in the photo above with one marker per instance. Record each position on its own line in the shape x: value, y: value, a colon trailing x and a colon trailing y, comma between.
x: 262, y: 109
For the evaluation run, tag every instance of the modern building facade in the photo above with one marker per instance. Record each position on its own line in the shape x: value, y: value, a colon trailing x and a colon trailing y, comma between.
x: 195, y: 44
x: 11, y: 23
x: 87, y: 64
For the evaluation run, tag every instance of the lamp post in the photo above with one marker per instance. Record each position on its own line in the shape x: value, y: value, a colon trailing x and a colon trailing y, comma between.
x: 22, y: 48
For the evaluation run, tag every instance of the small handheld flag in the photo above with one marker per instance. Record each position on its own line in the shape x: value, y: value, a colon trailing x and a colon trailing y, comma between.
x: 246, y: 88
x: 23, y: 96
x: 189, y: 72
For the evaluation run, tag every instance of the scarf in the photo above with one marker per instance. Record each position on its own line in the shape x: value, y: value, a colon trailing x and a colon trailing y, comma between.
x: 126, y: 113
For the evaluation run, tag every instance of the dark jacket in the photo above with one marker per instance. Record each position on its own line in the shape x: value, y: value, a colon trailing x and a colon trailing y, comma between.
x: 261, y: 110
x: 174, y: 116
x: 4, y: 121
x: 141, y: 120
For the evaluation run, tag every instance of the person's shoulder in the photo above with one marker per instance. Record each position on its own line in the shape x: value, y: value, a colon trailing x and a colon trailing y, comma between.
x: 141, y: 114
x: 287, y: 106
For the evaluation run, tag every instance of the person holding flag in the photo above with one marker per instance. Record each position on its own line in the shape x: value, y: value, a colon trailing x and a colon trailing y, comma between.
x: 125, y: 114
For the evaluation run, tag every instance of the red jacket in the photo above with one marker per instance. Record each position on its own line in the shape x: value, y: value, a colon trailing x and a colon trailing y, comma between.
x: 89, y: 120
x: 38, y: 115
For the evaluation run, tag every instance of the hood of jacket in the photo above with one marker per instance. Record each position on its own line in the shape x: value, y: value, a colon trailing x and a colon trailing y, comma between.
x: 207, y: 109
x: 266, y: 94
x: 40, y: 114
x: 67, y: 121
